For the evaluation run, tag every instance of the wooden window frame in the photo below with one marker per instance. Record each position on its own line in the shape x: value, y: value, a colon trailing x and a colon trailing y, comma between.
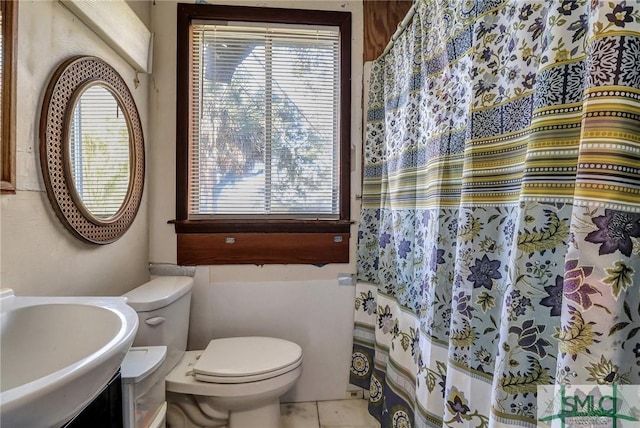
x: 242, y: 241
x: 8, y: 141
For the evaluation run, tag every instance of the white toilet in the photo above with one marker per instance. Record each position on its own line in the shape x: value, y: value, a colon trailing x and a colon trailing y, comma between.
x: 235, y: 382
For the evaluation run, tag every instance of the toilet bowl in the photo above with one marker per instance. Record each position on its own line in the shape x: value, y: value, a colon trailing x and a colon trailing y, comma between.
x: 235, y: 382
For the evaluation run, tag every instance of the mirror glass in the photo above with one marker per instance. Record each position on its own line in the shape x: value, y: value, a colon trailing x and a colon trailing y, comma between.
x: 99, y: 151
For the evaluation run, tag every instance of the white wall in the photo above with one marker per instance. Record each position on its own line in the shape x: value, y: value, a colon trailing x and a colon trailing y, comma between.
x: 304, y: 304
x: 39, y: 256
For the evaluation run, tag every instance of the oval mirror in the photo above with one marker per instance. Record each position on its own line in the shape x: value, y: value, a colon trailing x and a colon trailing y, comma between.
x: 98, y: 152
x: 92, y: 150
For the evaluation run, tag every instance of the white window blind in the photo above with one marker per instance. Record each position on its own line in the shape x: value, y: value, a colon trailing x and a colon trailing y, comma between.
x: 99, y: 153
x: 264, y: 138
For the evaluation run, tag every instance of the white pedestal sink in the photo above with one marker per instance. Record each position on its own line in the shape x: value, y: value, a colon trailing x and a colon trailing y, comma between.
x: 57, y: 354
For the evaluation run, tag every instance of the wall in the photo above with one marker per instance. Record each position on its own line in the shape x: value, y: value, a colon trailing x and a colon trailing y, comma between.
x: 300, y: 303
x: 381, y: 19
x: 39, y: 256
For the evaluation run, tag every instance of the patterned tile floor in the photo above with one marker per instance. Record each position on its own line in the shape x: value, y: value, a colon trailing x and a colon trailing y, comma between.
x: 327, y: 414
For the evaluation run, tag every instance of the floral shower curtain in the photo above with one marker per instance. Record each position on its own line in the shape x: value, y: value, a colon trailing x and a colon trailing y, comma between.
x: 499, y: 244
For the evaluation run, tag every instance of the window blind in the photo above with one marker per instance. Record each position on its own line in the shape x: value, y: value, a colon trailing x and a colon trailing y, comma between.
x: 99, y: 153
x: 264, y: 137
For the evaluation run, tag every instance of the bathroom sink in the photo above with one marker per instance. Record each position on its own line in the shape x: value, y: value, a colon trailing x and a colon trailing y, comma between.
x: 57, y: 354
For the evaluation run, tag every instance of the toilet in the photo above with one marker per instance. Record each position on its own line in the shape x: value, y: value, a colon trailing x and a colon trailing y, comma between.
x: 235, y: 382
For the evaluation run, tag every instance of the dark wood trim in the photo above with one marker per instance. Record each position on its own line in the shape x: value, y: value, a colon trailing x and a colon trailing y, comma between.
x: 183, y: 112
x: 345, y: 118
x: 267, y: 226
x: 263, y: 14
x: 8, y: 141
x: 262, y: 248
x: 188, y: 12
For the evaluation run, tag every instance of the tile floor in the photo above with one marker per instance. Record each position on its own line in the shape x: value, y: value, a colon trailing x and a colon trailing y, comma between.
x: 350, y: 413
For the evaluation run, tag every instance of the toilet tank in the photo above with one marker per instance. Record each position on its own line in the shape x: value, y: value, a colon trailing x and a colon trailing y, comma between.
x: 163, y: 305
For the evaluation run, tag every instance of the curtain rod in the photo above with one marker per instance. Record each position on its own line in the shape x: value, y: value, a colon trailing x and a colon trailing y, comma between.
x: 403, y: 24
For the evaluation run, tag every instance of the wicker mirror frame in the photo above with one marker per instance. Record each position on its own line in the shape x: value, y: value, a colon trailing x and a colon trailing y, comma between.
x: 68, y: 82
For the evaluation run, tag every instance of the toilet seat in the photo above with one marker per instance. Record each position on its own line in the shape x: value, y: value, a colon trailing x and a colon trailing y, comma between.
x: 233, y: 360
x: 182, y: 380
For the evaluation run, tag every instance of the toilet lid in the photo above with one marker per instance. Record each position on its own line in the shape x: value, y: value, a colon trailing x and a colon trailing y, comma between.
x: 246, y: 357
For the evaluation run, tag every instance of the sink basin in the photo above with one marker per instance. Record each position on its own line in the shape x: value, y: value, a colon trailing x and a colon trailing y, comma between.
x: 57, y: 354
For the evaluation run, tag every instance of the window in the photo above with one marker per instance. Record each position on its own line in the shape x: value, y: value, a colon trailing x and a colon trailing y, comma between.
x: 263, y: 127
x: 8, y: 32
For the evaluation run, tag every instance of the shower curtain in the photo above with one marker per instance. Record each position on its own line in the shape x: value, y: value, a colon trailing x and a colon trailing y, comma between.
x: 499, y: 242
